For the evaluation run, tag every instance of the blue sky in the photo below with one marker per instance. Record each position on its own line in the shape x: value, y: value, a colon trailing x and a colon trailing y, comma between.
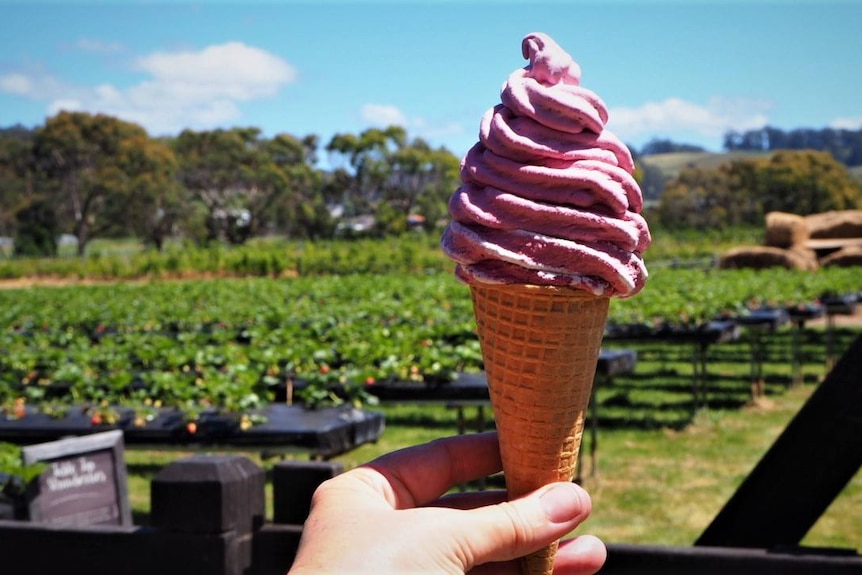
x: 688, y: 71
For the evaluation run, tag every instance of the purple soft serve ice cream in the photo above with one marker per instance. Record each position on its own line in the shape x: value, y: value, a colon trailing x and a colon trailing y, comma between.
x: 547, y: 195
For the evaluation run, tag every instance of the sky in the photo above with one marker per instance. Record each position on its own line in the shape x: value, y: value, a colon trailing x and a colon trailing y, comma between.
x: 685, y: 71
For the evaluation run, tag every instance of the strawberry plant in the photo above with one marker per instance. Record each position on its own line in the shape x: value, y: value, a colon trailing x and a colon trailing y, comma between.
x: 14, y: 474
x: 232, y: 344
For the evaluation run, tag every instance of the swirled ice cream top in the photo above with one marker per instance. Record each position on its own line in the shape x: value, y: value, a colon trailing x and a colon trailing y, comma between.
x: 547, y: 194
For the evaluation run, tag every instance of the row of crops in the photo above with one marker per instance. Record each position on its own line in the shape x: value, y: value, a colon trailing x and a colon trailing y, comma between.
x: 228, y: 343
x: 272, y: 257
x: 232, y: 343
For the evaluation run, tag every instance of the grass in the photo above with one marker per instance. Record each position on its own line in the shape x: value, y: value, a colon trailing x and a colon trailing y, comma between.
x: 671, y: 164
x: 664, y: 486
x: 664, y: 469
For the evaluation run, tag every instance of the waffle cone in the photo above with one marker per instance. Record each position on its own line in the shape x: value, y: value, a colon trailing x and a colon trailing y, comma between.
x: 540, y: 346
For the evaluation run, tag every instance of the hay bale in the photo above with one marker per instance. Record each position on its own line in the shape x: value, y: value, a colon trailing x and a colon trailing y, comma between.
x: 845, y: 257
x: 835, y: 224
x: 806, y: 258
x: 785, y: 230
x: 762, y: 257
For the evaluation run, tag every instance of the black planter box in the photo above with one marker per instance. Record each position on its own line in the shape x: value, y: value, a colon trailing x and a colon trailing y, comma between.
x: 802, y: 313
x: 766, y: 318
x: 717, y: 331
x: 324, y: 432
x: 474, y: 386
x: 840, y: 305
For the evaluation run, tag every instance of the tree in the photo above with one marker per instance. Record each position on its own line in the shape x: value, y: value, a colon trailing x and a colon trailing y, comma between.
x: 37, y: 231
x: 283, y: 169
x: 301, y: 211
x: 417, y: 169
x: 82, y: 152
x: 743, y: 191
x: 210, y: 167
x: 423, y: 184
x: 651, y: 179
x: 844, y: 145
x: 16, y: 175
x: 368, y: 156
x: 696, y: 198
x: 746, y: 200
x: 336, y: 186
x: 239, y: 176
x: 392, y: 177
x: 154, y: 202
x: 807, y: 182
x: 659, y: 146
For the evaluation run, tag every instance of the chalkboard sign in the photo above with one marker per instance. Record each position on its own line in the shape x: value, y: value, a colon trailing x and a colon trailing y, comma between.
x: 85, y: 482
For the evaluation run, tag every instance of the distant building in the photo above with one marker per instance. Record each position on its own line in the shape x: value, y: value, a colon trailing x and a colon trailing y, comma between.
x: 356, y: 225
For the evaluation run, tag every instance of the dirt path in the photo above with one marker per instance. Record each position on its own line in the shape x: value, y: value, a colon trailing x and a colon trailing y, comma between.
x: 64, y: 281
x: 19, y: 283
x: 854, y: 320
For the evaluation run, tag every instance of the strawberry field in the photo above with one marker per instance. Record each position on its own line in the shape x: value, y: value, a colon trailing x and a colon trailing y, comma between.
x: 234, y: 344
x: 227, y: 343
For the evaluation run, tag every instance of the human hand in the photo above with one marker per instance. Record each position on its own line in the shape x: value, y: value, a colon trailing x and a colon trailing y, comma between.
x: 388, y: 516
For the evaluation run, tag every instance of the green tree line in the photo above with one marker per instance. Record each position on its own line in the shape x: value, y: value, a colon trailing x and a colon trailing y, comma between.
x: 741, y: 192
x: 844, y: 145
x: 96, y: 176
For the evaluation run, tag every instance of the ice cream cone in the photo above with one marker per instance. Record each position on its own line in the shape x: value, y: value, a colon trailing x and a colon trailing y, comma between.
x: 540, y: 347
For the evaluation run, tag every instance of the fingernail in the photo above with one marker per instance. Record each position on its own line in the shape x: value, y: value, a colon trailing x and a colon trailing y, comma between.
x: 562, y: 502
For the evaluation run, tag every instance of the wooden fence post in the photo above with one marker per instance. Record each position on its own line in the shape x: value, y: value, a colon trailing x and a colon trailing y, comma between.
x: 209, y: 497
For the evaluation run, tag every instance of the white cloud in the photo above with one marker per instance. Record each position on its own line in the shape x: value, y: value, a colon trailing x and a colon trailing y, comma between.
x: 443, y: 130
x: 189, y: 89
x: 36, y: 86
x: 64, y: 104
x: 233, y: 70
x: 384, y: 115
x: 676, y: 116
x: 16, y: 84
x: 99, y: 46
x: 846, y: 123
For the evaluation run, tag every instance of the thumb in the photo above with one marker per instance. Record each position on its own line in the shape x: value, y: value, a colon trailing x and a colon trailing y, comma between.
x: 513, y: 529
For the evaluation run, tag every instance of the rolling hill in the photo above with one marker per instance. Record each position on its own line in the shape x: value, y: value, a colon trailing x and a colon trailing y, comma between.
x: 672, y: 164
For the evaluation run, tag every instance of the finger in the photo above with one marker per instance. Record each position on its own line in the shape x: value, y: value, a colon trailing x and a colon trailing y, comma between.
x: 453, y: 460
x: 513, y: 529
x: 583, y: 555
